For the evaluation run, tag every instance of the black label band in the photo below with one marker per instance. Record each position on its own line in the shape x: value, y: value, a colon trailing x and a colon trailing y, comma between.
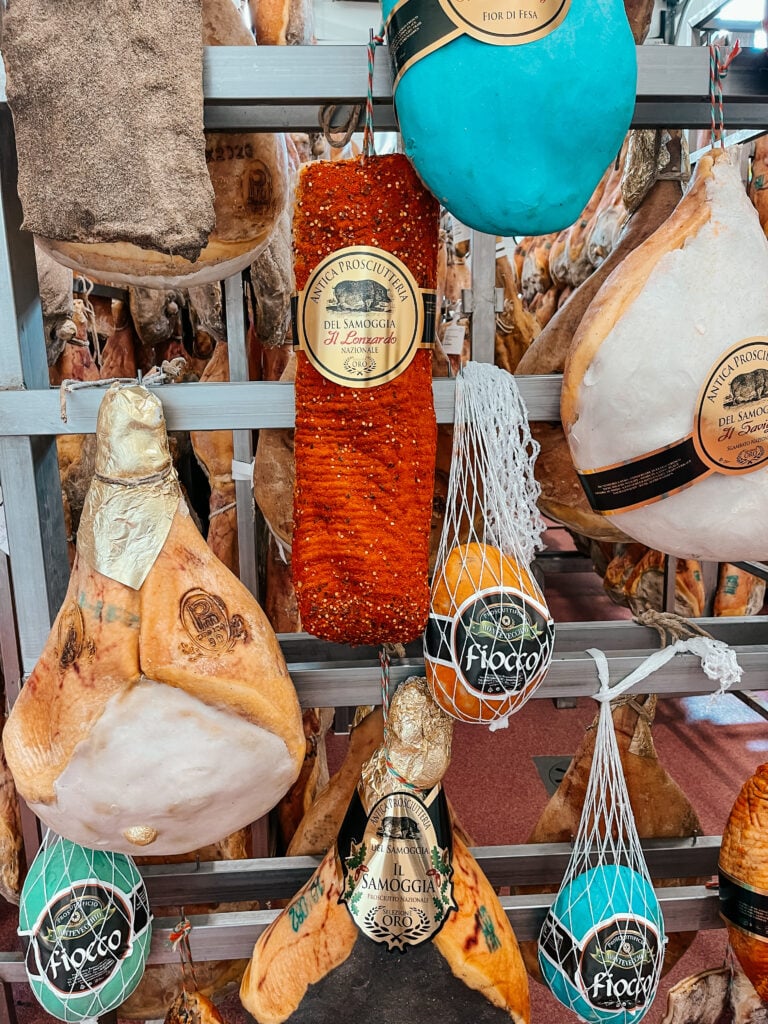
x: 354, y: 823
x: 644, y: 480
x: 428, y: 298
x: 743, y: 907
x: 616, y: 966
x: 437, y: 639
x: 559, y: 946
x: 414, y: 29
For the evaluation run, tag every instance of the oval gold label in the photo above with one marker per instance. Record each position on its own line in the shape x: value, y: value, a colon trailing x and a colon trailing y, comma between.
x: 506, y: 22
x: 360, y: 318
x: 731, y: 427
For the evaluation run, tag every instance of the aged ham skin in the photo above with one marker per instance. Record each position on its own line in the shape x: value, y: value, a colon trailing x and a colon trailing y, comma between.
x: 562, y: 496
x: 617, y: 407
x: 313, y: 952
x: 743, y: 862
x: 160, y: 717
x: 11, y: 841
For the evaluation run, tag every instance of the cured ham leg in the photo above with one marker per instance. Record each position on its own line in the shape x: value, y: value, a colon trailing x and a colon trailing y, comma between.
x: 160, y: 713
x: 314, y: 958
x: 702, y: 422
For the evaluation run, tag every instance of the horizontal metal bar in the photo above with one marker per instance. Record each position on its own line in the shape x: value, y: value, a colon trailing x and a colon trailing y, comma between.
x: 296, y: 81
x: 295, y: 118
x: 759, y: 569
x: 275, y: 878
x: 754, y: 703
x: 610, y: 635
x: 227, y: 406
x: 573, y: 675
x: 660, y: 113
x: 353, y: 676
x: 232, y: 936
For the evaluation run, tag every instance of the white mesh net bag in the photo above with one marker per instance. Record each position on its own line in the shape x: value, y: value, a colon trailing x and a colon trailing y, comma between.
x: 86, y: 926
x: 489, y: 637
x: 601, y: 947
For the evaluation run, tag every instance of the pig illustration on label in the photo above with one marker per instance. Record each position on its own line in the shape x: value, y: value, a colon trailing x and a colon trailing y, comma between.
x: 360, y: 297
x: 396, y: 827
x: 748, y: 387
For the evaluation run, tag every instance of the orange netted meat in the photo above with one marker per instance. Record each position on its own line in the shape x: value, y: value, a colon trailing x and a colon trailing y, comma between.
x: 365, y: 456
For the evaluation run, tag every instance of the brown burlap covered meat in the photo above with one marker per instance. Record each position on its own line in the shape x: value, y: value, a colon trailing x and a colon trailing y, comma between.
x: 107, y: 102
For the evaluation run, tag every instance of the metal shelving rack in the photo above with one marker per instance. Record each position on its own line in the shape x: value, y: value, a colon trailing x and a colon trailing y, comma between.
x: 277, y: 89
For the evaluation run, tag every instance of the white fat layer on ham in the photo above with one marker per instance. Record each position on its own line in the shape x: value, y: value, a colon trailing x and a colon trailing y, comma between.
x: 640, y: 391
x: 158, y: 757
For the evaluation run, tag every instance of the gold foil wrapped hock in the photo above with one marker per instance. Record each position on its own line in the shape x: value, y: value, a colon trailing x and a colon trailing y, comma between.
x: 417, y: 743
x: 134, y: 494
x: 395, y: 845
x: 648, y: 159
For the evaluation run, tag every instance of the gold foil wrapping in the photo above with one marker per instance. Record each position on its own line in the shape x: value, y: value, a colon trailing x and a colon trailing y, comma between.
x: 134, y: 494
x: 417, y: 744
x: 648, y: 160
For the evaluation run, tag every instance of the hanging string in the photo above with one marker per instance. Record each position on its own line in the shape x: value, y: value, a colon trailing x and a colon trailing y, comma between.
x: 384, y: 660
x: 718, y: 70
x: 179, y: 939
x: 172, y: 370
x: 368, y: 142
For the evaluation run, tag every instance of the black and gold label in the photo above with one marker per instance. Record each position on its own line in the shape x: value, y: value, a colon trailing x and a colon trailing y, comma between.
x: 498, y: 641
x: 730, y: 436
x: 208, y: 624
x: 416, y: 28
x: 83, y: 935
x: 744, y: 906
x: 396, y: 866
x: 644, y: 480
x: 731, y: 426
x: 362, y: 317
x: 614, y: 967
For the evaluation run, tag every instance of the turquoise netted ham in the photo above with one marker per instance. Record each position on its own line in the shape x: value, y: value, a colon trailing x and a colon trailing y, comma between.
x: 510, y: 110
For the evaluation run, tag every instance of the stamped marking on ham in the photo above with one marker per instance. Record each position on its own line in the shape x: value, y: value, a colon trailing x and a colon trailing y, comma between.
x: 207, y: 622
x: 159, y: 720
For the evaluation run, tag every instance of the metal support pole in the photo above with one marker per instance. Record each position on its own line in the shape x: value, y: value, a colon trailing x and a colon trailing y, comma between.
x: 29, y: 471
x: 483, y: 297
x: 242, y: 439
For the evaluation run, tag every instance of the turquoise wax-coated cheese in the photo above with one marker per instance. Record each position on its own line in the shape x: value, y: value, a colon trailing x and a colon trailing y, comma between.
x: 602, y: 945
x: 513, y: 139
x: 85, y: 922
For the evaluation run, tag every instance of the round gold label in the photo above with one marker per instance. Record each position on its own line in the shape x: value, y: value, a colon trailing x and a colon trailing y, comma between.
x: 730, y: 432
x: 360, y: 317
x: 506, y: 22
